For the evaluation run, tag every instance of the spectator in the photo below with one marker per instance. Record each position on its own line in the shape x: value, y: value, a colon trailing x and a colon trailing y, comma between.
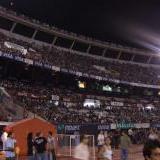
x: 82, y: 150
x: 151, y: 150
x: 106, y: 150
x: 152, y: 135
x: 10, y: 147
x: 30, y: 146
x: 100, y: 139
x: 125, y: 144
x: 4, y: 138
x: 51, y: 146
x: 40, y: 143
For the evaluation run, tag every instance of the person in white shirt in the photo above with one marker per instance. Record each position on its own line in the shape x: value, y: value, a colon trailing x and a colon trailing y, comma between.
x: 130, y: 132
x: 152, y: 135
x: 10, y: 147
x: 100, y: 139
x: 81, y: 151
x: 4, y: 138
x: 51, y: 146
x: 105, y: 135
x: 105, y: 152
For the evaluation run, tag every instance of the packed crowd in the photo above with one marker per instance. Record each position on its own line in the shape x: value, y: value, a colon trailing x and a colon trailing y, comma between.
x: 86, y: 65
x: 38, y: 146
x: 65, y: 106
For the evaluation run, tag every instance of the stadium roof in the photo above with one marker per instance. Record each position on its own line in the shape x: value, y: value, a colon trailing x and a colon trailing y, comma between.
x: 132, y: 22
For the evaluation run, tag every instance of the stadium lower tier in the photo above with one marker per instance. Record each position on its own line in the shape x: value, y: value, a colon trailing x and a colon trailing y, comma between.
x: 65, y: 106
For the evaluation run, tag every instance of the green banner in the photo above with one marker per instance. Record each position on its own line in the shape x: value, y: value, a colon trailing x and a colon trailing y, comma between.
x: 125, y: 125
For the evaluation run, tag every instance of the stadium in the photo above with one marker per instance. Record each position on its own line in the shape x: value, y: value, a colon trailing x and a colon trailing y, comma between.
x: 53, y: 80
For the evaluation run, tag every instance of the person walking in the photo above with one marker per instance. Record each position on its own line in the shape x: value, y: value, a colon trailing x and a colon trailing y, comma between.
x: 125, y: 143
x: 100, y: 139
x: 51, y: 146
x: 105, y: 152
x: 81, y: 152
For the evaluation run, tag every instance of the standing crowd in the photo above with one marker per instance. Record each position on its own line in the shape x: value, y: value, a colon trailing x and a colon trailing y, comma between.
x: 105, y: 145
x: 39, y: 147
x: 151, y: 148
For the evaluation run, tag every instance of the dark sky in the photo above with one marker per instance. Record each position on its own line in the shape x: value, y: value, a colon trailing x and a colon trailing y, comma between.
x: 119, y: 21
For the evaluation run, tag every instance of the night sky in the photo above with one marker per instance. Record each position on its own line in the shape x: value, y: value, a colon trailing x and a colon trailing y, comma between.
x: 127, y: 22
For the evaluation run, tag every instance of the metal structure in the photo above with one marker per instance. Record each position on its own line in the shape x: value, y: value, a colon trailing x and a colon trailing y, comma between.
x: 74, y: 42
x: 65, y: 145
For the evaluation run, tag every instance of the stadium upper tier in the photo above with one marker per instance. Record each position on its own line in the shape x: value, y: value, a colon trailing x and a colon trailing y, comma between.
x: 35, y: 30
x: 80, y: 65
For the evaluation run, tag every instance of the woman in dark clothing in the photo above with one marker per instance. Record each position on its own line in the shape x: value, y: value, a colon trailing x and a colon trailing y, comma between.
x: 30, y: 146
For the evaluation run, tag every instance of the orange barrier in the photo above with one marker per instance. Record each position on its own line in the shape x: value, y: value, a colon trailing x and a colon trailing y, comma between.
x: 23, y: 127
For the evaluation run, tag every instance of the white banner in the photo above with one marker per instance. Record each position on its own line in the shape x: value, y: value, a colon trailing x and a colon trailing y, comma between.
x: 28, y: 61
x: 55, y: 68
x: 117, y: 104
x: 142, y: 125
x: 16, y: 46
x: 79, y: 73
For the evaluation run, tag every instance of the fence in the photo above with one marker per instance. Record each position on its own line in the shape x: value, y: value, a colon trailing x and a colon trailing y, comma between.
x: 65, y: 145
